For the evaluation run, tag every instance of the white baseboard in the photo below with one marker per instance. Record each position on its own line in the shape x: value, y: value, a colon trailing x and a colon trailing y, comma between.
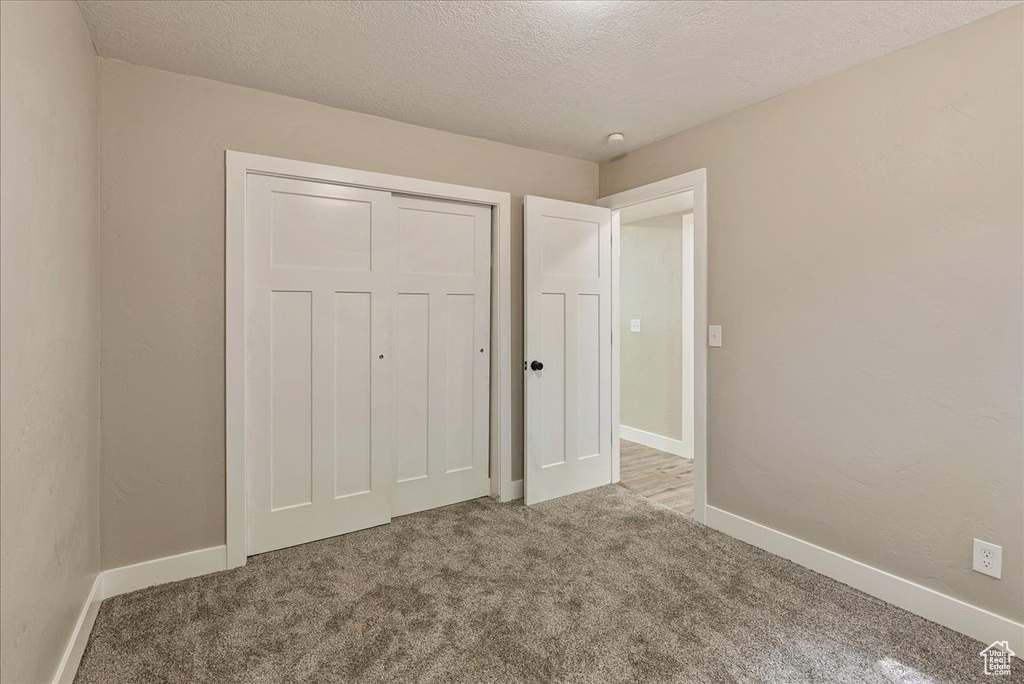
x: 68, y: 666
x: 130, y: 578
x: 163, y: 570
x: 975, y: 622
x: 517, y: 490
x: 666, y: 444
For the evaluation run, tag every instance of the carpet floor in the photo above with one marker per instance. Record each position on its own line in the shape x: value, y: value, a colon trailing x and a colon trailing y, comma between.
x: 603, y: 586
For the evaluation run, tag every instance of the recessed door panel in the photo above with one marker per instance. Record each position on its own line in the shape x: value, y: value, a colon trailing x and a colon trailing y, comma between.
x: 588, y: 375
x: 460, y: 377
x: 353, y: 393
x: 570, y: 247
x: 291, y: 370
x: 438, y: 240
x: 412, y: 368
x: 552, y: 379
x: 319, y: 231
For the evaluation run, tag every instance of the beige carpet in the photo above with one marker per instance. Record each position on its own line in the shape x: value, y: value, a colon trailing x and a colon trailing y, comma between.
x: 603, y: 586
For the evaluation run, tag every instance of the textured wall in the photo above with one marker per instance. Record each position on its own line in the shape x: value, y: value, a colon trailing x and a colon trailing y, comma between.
x: 865, y: 245
x: 49, y: 333
x: 163, y: 138
x: 651, y: 361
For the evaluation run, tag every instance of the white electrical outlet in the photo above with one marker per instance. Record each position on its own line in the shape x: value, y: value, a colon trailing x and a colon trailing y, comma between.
x: 988, y: 559
x: 634, y: 325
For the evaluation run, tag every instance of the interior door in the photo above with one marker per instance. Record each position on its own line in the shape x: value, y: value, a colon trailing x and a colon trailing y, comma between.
x: 320, y: 275
x: 442, y: 353
x: 567, y: 283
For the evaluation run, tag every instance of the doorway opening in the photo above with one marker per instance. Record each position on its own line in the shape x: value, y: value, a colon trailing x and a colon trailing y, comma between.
x: 655, y: 328
x: 659, y: 235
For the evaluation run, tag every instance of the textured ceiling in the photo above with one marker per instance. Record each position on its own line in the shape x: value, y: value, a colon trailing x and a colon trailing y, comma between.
x: 555, y: 76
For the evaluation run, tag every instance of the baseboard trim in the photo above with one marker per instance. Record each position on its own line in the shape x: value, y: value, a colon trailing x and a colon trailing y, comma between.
x: 130, y: 578
x: 517, y: 490
x: 68, y: 667
x: 666, y: 444
x: 163, y: 570
x: 958, y: 615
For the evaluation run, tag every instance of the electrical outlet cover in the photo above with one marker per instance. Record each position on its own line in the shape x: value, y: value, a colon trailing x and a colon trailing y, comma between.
x: 714, y: 336
x: 988, y: 559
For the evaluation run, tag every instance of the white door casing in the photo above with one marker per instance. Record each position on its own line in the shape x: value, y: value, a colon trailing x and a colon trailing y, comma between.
x: 696, y: 182
x: 567, y: 302
x: 320, y: 268
x: 442, y: 352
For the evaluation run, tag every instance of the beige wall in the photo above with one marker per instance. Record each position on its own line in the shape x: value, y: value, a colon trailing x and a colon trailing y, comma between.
x: 651, y: 361
x: 49, y: 325
x: 865, y: 259
x: 163, y: 138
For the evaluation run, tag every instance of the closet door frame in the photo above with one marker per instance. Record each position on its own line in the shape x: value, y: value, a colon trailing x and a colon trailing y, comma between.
x: 239, y: 165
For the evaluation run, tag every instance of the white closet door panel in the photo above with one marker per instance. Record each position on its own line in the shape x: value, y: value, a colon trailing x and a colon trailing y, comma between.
x: 319, y: 231
x: 353, y: 393
x: 460, y: 370
x: 320, y: 269
x: 291, y: 398
x: 567, y: 289
x: 437, y: 241
x: 413, y: 370
x: 442, y: 340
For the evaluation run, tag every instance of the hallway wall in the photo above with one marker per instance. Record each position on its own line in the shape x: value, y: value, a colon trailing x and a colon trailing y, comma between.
x: 651, y: 361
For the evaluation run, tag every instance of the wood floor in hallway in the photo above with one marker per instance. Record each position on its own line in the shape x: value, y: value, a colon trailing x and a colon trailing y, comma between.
x: 664, y: 478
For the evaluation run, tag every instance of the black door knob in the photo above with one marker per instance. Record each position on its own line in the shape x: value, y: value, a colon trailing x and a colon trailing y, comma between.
x: 537, y: 365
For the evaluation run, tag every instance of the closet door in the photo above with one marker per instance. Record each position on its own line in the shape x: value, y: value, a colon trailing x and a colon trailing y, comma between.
x: 441, y: 342
x: 320, y: 275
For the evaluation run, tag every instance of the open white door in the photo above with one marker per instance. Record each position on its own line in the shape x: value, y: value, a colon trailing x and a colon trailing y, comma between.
x: 567, y: 290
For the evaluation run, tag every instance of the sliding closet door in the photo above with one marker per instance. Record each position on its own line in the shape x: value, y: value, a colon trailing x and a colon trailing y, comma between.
x: 441, y: 343
x: 320, y: 275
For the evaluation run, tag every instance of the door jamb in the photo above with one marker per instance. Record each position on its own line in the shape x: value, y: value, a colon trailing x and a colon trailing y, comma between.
x: 238, y: 165
x: 697, y: 182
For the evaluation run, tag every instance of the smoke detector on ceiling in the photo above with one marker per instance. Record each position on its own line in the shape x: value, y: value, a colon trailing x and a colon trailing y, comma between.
x: 616, y: 139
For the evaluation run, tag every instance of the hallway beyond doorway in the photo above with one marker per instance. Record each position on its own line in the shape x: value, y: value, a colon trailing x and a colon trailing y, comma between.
x: 663, y: 478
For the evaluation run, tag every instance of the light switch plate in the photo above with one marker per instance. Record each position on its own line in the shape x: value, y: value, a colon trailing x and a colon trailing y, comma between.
x: 634, y: 325
x: 714, y: 336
